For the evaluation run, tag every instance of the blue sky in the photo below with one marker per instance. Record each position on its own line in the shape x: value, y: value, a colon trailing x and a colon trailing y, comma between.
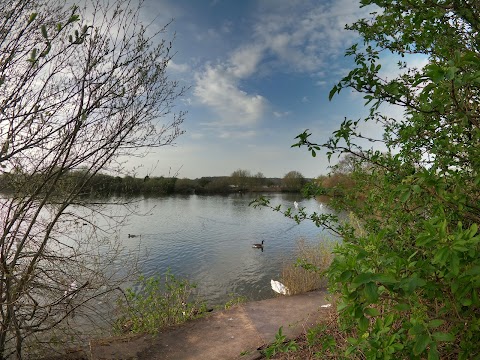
x: 259, y: 73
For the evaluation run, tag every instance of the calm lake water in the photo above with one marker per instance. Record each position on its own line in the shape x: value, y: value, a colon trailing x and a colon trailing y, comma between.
x: 208, y: 239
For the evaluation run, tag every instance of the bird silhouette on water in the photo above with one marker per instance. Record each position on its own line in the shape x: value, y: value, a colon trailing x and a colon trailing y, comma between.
x: 258, y: 246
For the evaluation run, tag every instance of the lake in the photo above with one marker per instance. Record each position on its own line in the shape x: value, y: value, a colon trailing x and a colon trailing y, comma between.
x: 208, y: 240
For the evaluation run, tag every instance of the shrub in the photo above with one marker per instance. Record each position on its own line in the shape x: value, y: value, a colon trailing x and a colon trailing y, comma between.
x: 307, y: 273
x: 153, y: 304
x: 409, y: 283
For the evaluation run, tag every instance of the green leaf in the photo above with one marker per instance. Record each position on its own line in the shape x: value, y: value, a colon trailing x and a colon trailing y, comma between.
x: 73, y: 18
x: 363, y: 278
x: 345, y: 276
x: 466, y: 302
x: 442, y: 336
x: 413, y: 283
x: 405, y: 196
x: 402, y: 307
x: 33, y: 55
x: 421, y: 344
x: 474, y: 270
x: 450, y: 74
x: 416, y: 330
x: 32, y: 17
x: 433, y: 353
x: 386, y: 279
x: 441, y: 256
x: 363, y: 324
x: 372, y: 311
x: 389, y: 319
x: 44, y: 31
x: 435, y: 73
x: 435, y: 323
x: 332, y: 92
x: 371, y: 292
x: 455, y: 264
x: 473, y: 230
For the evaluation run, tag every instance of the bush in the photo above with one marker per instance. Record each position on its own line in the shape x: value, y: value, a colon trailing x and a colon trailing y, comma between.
x: 153, y: 304
x: 307, y: 273
x: 409, y: 283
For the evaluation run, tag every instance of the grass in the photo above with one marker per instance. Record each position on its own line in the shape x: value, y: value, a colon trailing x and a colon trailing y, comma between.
x: 307, y: 273
x: 323, y: 341
x: 156, y: 303
x: 235, y: 300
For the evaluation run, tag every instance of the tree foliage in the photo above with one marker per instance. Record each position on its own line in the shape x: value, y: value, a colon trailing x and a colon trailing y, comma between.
x: 79, y: 88
x: 409, y: 282
x: 293, y: 181
x: 241, y: 178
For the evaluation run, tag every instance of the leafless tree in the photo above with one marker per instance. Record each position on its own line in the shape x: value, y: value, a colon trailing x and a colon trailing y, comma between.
x: 80, y: 88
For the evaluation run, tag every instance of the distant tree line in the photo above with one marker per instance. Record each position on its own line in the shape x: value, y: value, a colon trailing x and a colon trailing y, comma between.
x: 102, y: 185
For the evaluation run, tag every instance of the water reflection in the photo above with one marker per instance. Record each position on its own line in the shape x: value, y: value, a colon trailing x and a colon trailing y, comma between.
x: 208, y: 239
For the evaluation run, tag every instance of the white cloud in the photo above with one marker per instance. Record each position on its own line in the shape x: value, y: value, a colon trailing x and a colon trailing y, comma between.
x: 217, y: 88
x: 281, y: 114
x: 186, y: 101
x: 237, y: 134
x: 197, y: 136
x: 390, y: 69
x: 180, y: 68
x: 298, y: 36
x: 211, y: 35
x: 244, y: 61
x: 303, y: 35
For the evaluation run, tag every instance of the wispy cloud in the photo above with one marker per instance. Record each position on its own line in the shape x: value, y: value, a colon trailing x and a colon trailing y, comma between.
x: 237, y: 134
x: 303, y: 35
x: 288, y: 36
x: 197, y: 136
x: 278, y: 114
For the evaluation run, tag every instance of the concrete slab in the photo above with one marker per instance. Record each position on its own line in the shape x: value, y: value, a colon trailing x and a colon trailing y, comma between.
x: 222, y: 335
x: 120, y: 348
x: 295, y: 313
x: 236, y: 333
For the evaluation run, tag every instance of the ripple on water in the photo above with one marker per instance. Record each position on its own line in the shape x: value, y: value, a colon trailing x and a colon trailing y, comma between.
x: 209, y: 241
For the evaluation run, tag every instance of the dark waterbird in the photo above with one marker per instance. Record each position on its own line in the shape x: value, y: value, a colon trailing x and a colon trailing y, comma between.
x: 258, y: 246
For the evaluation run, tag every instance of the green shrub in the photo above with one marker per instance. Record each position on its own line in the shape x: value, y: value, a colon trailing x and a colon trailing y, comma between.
x: 155, y: 303
x: 280, y: 345
x: 409, y: 282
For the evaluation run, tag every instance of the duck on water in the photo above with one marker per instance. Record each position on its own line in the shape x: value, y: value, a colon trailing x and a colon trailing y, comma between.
x: 258, y: 246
